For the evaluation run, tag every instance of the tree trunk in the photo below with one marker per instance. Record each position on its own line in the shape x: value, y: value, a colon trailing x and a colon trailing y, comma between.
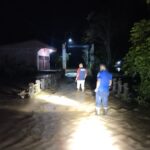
x: 108, y: 51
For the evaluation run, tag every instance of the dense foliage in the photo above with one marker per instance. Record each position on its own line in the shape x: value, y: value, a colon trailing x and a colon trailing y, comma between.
x: 137, y: 61
x: 148, y: 1
x: 99, y: 32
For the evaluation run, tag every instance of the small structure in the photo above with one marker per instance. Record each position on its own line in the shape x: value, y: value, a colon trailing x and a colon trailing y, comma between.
x: 119, y: 90
x: 28, y: 54
x: 125, y: 91
x: 88, y: 51
x: 114, y: 87
x: 43, y: 58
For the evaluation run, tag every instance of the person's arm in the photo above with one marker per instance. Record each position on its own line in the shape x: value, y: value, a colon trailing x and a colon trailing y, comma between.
x: 85, y: 73
x: 110, y: 81
x: 98, y: 82
x: 97, y: 85
x: 77, y: 74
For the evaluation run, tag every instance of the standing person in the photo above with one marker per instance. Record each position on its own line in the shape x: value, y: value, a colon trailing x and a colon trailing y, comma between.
x: 80, y: 78
x: 104, y: 81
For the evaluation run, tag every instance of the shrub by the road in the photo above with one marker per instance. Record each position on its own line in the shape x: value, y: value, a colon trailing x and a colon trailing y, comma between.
x: 137, y: 60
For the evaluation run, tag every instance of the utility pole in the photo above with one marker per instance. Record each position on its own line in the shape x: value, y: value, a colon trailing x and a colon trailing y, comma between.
x: 64, y: 61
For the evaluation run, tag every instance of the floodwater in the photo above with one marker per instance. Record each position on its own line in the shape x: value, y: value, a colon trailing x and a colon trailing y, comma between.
x: 66, y: 120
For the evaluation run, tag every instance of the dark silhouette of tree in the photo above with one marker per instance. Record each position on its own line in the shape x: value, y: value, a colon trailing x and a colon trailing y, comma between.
x: 99, y: 32
x: 137, y: 60
x: 148, y: 1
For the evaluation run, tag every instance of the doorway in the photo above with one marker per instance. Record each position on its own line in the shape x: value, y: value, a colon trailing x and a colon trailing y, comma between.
x: 44, y: 63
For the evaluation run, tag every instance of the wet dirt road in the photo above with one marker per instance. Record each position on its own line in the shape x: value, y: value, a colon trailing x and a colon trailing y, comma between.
x: 66, y: 120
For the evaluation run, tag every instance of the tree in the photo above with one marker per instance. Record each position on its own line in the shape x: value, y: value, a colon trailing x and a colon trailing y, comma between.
x: 148, y: 1
x: 137, y: 60
x: 99, y: 32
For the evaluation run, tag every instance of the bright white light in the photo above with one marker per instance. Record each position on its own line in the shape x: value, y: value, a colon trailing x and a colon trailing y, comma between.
x: 58, y: 100
x: 118, y: 62
x: 70, y: 40
x: 51, y: 51
x: 118, y: 69
x: 91, y: 134
x: 45, y: 51
x: 64, y: 101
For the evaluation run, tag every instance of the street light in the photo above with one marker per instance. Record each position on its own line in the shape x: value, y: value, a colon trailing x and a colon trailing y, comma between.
x: 51, y: 51
x: 70, y: 40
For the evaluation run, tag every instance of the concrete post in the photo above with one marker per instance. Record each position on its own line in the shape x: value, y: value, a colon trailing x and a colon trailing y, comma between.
x: 119, y: 90
x: 42, y: 84
x: 64, y: 56
x: 114, y: 87
x: 31, y: 89
x: 125, y: 90
x: 49, y: 81
x: 37, y: 86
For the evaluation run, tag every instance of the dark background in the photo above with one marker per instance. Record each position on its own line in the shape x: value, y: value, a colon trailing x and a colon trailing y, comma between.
x: 54, y: 21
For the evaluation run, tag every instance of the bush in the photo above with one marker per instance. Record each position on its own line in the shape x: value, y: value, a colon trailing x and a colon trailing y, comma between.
x: 137, y: 60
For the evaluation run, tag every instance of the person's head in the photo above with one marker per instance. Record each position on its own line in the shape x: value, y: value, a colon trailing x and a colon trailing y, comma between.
x: 102, y: 67
x: 80, y: 65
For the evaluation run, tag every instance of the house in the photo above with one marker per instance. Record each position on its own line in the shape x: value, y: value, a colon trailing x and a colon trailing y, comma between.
x: 27, y: 54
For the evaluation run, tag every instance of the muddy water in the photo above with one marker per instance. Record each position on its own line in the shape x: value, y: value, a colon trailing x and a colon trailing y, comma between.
x: 66, y: 121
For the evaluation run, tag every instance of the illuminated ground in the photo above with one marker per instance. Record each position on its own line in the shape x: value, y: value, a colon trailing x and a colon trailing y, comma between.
x: 66, y: 120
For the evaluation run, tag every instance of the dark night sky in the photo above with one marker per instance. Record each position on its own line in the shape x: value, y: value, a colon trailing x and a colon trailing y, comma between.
x: 43, y: 19
x: 52, y: 21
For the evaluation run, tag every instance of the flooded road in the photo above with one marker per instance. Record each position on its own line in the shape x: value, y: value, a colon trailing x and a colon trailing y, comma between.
x: 66, y: 120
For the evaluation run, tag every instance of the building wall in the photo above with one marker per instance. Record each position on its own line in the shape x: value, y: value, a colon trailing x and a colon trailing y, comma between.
x: 25, y: 57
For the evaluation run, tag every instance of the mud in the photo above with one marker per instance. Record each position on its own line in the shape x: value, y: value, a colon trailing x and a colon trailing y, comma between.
x: 66, y: 120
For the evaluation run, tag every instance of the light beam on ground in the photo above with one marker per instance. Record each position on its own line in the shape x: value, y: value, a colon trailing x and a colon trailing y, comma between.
x: 91, y: 134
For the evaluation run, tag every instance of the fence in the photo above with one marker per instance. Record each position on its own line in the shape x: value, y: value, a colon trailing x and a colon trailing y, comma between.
x: 49, y: 81
x: 120, y: 89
